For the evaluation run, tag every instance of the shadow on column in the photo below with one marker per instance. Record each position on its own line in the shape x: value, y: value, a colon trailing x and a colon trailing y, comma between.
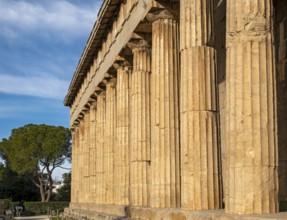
x: 219, y: 45
x: 280, y: 33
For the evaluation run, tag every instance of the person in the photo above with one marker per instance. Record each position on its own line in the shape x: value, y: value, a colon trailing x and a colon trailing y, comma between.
x: 19, y: 209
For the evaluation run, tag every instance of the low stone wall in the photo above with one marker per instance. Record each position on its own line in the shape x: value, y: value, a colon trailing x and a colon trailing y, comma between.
x: 112, y: 212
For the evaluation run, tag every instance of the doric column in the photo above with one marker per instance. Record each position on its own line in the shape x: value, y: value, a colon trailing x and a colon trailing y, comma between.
x: 75, y: 165
x: 164, y: 187
x: 140, y: 126
x: 121, y: 188
x: 73, y: 171
x: 86, y: 149
x: 81, y: 164
x: 100, y: 143
x: 198, y: 107
x: 92, y: 154
x: 251, y: 133
x: 110, y: 140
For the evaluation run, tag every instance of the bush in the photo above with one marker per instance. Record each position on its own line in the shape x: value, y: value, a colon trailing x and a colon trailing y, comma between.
x: 5, y: 204
x: 40, y: 208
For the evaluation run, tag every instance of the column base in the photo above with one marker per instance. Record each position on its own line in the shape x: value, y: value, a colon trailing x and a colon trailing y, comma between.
x: 113, y: 212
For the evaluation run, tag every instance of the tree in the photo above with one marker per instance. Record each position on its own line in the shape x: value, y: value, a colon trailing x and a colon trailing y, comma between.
x: 16, y: 187
x: 64, y: 193
x: 36, y: 151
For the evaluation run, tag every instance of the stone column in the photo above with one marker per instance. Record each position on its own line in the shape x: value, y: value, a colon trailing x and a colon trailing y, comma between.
x: 198, y: 107
x: 92, y: 154
x: 73, y: 171
x: 75, y: 165
x: 100, y: 143
x: 251, y: 133
x: 165, y: 183
x: 140, y: 126
x: 281, y: 75
x: 86, y: 149
x: 81, y: 164
x: 110, y: 140
x: 121, y: 188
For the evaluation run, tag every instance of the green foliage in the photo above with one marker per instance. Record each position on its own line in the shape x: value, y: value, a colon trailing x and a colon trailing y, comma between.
x: 40, y: 208
x: 34, y: 145
x: 5, y: 204
x: 20, y: 188
x: 64, y: 193
x: 35, y: 151
x: 16, y: 187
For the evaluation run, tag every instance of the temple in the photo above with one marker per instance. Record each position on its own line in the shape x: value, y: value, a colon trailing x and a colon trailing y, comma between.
x: 178, y: 111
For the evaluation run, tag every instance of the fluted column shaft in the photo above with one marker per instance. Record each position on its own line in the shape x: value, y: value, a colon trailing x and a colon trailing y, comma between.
x: 198, y: 107
x: 251, y: 133
x: 100, y: 145
x: 110, y: 140
x: 73, y: 189
x: 74, y: 166
x: 77, y: 166
x: 86, y: 149
x: 164, y: 192
x: 121, y: 188
x: 81, y: 164
x: 92, y: 155
x: 140, y: 126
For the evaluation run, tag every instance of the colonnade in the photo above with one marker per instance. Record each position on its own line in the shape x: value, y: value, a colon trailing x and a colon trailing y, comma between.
x: 150, y: 136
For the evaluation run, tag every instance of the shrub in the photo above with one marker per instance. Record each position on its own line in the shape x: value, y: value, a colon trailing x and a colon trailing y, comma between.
x: 40, y: 208
x: 4, y: 205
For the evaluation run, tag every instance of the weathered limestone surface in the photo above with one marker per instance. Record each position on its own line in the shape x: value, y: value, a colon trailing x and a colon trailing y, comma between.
x: 74, y: 174
x: 100, y: 143
x: 86, y: 149
x: 198, y: 108
x: 140, y: 126
x: 251, y: 137
x: 92, y: 155
x: 110, y: 141
x: 165, y: 180
x: 77, y: 175
x: 121, y: 188
x: 81, y: 165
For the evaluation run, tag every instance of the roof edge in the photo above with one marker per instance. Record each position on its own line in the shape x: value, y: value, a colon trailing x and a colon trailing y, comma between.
x: 78, y: 75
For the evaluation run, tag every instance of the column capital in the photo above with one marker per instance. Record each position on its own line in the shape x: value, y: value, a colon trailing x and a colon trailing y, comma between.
x: 159, y: 15
x: 120, y: 64
x: 101, y: 95
x: 76, y: 123
x: 142, y: 47
x: 112, y: 82
x: 139, y: 41
x: 94, y: 105
x: 127, y: 68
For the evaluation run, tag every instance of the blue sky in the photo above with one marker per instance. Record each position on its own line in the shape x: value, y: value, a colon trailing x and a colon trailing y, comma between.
x: 41, y: 42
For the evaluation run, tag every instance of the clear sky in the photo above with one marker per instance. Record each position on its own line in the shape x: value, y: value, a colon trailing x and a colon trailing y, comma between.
x: 41, y: 42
